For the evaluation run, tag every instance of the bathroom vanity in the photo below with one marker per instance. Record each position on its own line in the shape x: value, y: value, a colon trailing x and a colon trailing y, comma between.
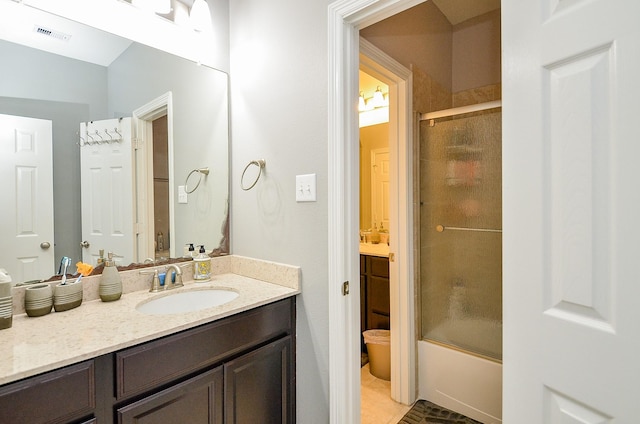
x: 109, y: 363
x: 374, y: 292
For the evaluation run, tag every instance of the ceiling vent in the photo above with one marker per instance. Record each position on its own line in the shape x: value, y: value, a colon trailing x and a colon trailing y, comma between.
x: 51, y: 33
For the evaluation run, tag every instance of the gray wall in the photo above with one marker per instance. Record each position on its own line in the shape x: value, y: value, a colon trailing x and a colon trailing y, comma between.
x: 279, y: 113
x: 76, y: 91
x: 200, y: 127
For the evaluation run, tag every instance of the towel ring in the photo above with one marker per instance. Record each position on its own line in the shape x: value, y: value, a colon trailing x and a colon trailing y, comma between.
x: 200, y: 171
x: 260, y: 163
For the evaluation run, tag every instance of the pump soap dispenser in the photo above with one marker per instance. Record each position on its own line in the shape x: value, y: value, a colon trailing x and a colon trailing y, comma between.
x: 110, y: 287
x: 202, y: 266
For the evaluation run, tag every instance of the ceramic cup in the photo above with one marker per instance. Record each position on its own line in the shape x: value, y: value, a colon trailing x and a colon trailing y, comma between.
x: 67, y: 296
x: 38, y: 300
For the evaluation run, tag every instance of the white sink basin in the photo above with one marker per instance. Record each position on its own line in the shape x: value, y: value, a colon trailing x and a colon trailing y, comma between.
x: 186, y: 301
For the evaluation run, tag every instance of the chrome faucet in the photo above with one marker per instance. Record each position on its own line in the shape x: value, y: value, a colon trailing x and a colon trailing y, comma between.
x: 168, y: 278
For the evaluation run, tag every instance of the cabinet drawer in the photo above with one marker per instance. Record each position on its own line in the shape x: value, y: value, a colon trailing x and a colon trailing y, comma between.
x: 55, y: 397
x: 379, y: 266
x: 149, y: 365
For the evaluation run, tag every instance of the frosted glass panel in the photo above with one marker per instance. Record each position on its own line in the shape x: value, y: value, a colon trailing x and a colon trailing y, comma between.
x: 460, y: 238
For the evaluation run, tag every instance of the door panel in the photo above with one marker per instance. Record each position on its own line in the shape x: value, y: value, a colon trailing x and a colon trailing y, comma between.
x: 26, y: 214
x: 571, y: 207
x: 107, y: 190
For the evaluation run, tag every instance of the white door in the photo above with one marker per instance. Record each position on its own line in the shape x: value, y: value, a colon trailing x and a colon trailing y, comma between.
x: 26, y: 213
x: 107, y: 190
x: 380, y: 187
x: 571, y: 207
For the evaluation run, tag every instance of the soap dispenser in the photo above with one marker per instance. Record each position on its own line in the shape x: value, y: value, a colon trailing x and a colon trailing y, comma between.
x: 202, y: 266
x: 110, y: 287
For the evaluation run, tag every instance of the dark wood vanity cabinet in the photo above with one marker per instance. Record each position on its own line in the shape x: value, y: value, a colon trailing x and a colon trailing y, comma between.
x: 374, y: 292
x: 196, y: 400
x: 239, y: 369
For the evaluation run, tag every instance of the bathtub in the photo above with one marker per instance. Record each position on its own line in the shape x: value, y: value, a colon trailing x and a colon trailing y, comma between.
x: 462, y: 382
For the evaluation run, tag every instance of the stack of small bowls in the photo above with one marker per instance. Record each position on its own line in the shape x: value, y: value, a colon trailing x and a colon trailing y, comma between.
x: 67, y: 296
x: 6, y: 305
x: 38, y: 300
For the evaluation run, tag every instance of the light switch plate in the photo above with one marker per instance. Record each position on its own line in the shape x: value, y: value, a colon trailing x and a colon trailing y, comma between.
x: 182, y: 195
x: 306, y: 188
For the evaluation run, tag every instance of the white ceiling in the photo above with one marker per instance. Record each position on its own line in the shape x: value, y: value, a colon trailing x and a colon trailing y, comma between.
x: 17, y: 24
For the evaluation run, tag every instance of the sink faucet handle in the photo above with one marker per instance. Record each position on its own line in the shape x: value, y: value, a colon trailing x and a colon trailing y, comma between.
x: 155, y: 283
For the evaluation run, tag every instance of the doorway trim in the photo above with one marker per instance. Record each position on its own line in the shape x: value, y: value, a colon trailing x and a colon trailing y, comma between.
x: 402, y: 305
x: 143, y: 118
x: 346, y: 18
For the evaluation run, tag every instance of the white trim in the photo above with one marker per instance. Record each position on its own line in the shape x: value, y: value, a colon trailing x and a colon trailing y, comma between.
x: 142, y: 121
x: 345, y: 17
x: 403, y: 337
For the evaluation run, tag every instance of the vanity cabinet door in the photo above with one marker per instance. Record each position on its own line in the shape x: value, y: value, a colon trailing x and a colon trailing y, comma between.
x: 258, y: 386
x: 59, y: 396
x: 195, y: 401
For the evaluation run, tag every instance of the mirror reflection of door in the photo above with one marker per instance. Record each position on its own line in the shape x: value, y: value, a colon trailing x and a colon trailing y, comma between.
x: 161, y: 187
x: 380, y: 187
x: 26, y: 214
x: 107, y: 187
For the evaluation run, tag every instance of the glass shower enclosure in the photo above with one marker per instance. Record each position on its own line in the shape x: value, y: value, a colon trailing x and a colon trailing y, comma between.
x: 460, y: 232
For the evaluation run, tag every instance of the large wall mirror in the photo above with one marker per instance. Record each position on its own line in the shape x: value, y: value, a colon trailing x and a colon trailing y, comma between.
x: 88, y: 91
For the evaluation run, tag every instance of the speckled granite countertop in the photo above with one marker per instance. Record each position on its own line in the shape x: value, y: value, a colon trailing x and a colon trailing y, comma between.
x: 380, y: 249
x: 35, y: 345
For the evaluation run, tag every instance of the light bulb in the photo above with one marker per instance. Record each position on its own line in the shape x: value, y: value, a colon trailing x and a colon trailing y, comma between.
x: 200, y: 15
x: 378, y: 98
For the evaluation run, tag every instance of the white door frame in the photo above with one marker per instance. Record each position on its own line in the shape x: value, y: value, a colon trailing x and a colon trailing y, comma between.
x: 143, y: 126
x: 346, y: 17
x: 401, y: 276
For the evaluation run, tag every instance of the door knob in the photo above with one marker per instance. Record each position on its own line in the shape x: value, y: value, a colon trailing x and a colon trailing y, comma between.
x: 84, y: 244
x: 45, y: 245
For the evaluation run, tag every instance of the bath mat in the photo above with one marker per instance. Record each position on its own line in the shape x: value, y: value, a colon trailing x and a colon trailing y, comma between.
x: 425, y: 412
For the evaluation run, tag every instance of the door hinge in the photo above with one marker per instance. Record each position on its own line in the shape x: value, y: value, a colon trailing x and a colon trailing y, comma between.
x: 345, y: 288
x: 137, y: 143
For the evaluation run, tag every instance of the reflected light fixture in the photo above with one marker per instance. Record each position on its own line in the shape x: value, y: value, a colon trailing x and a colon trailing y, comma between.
x: 162, y: 7
x: 361, y: 103
x: 153, y: 6
x: 378, y: 98
x: 200, y: 16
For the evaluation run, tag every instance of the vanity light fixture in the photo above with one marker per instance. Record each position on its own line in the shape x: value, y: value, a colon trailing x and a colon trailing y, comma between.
x: 153, y: 6
x: 378, y: 98
x: 162, y: 7
x: 200, y: 15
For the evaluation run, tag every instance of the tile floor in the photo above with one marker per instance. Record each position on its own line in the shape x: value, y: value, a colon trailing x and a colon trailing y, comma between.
x: 376, y: 405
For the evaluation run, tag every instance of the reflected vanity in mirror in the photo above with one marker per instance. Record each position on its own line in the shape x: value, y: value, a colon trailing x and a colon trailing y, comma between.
x: 98, y: 191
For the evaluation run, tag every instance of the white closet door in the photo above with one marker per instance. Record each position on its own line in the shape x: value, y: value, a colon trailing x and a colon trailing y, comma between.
x: 571, y: 208
x: 26, y: 212
x: 108, y: 214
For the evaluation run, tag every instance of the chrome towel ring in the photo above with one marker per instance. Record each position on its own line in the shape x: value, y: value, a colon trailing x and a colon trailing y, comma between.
x: 260, y: 163
x: 201, y: 171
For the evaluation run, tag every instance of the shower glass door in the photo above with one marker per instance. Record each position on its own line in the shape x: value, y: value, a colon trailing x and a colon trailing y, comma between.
x: 460, y: 232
